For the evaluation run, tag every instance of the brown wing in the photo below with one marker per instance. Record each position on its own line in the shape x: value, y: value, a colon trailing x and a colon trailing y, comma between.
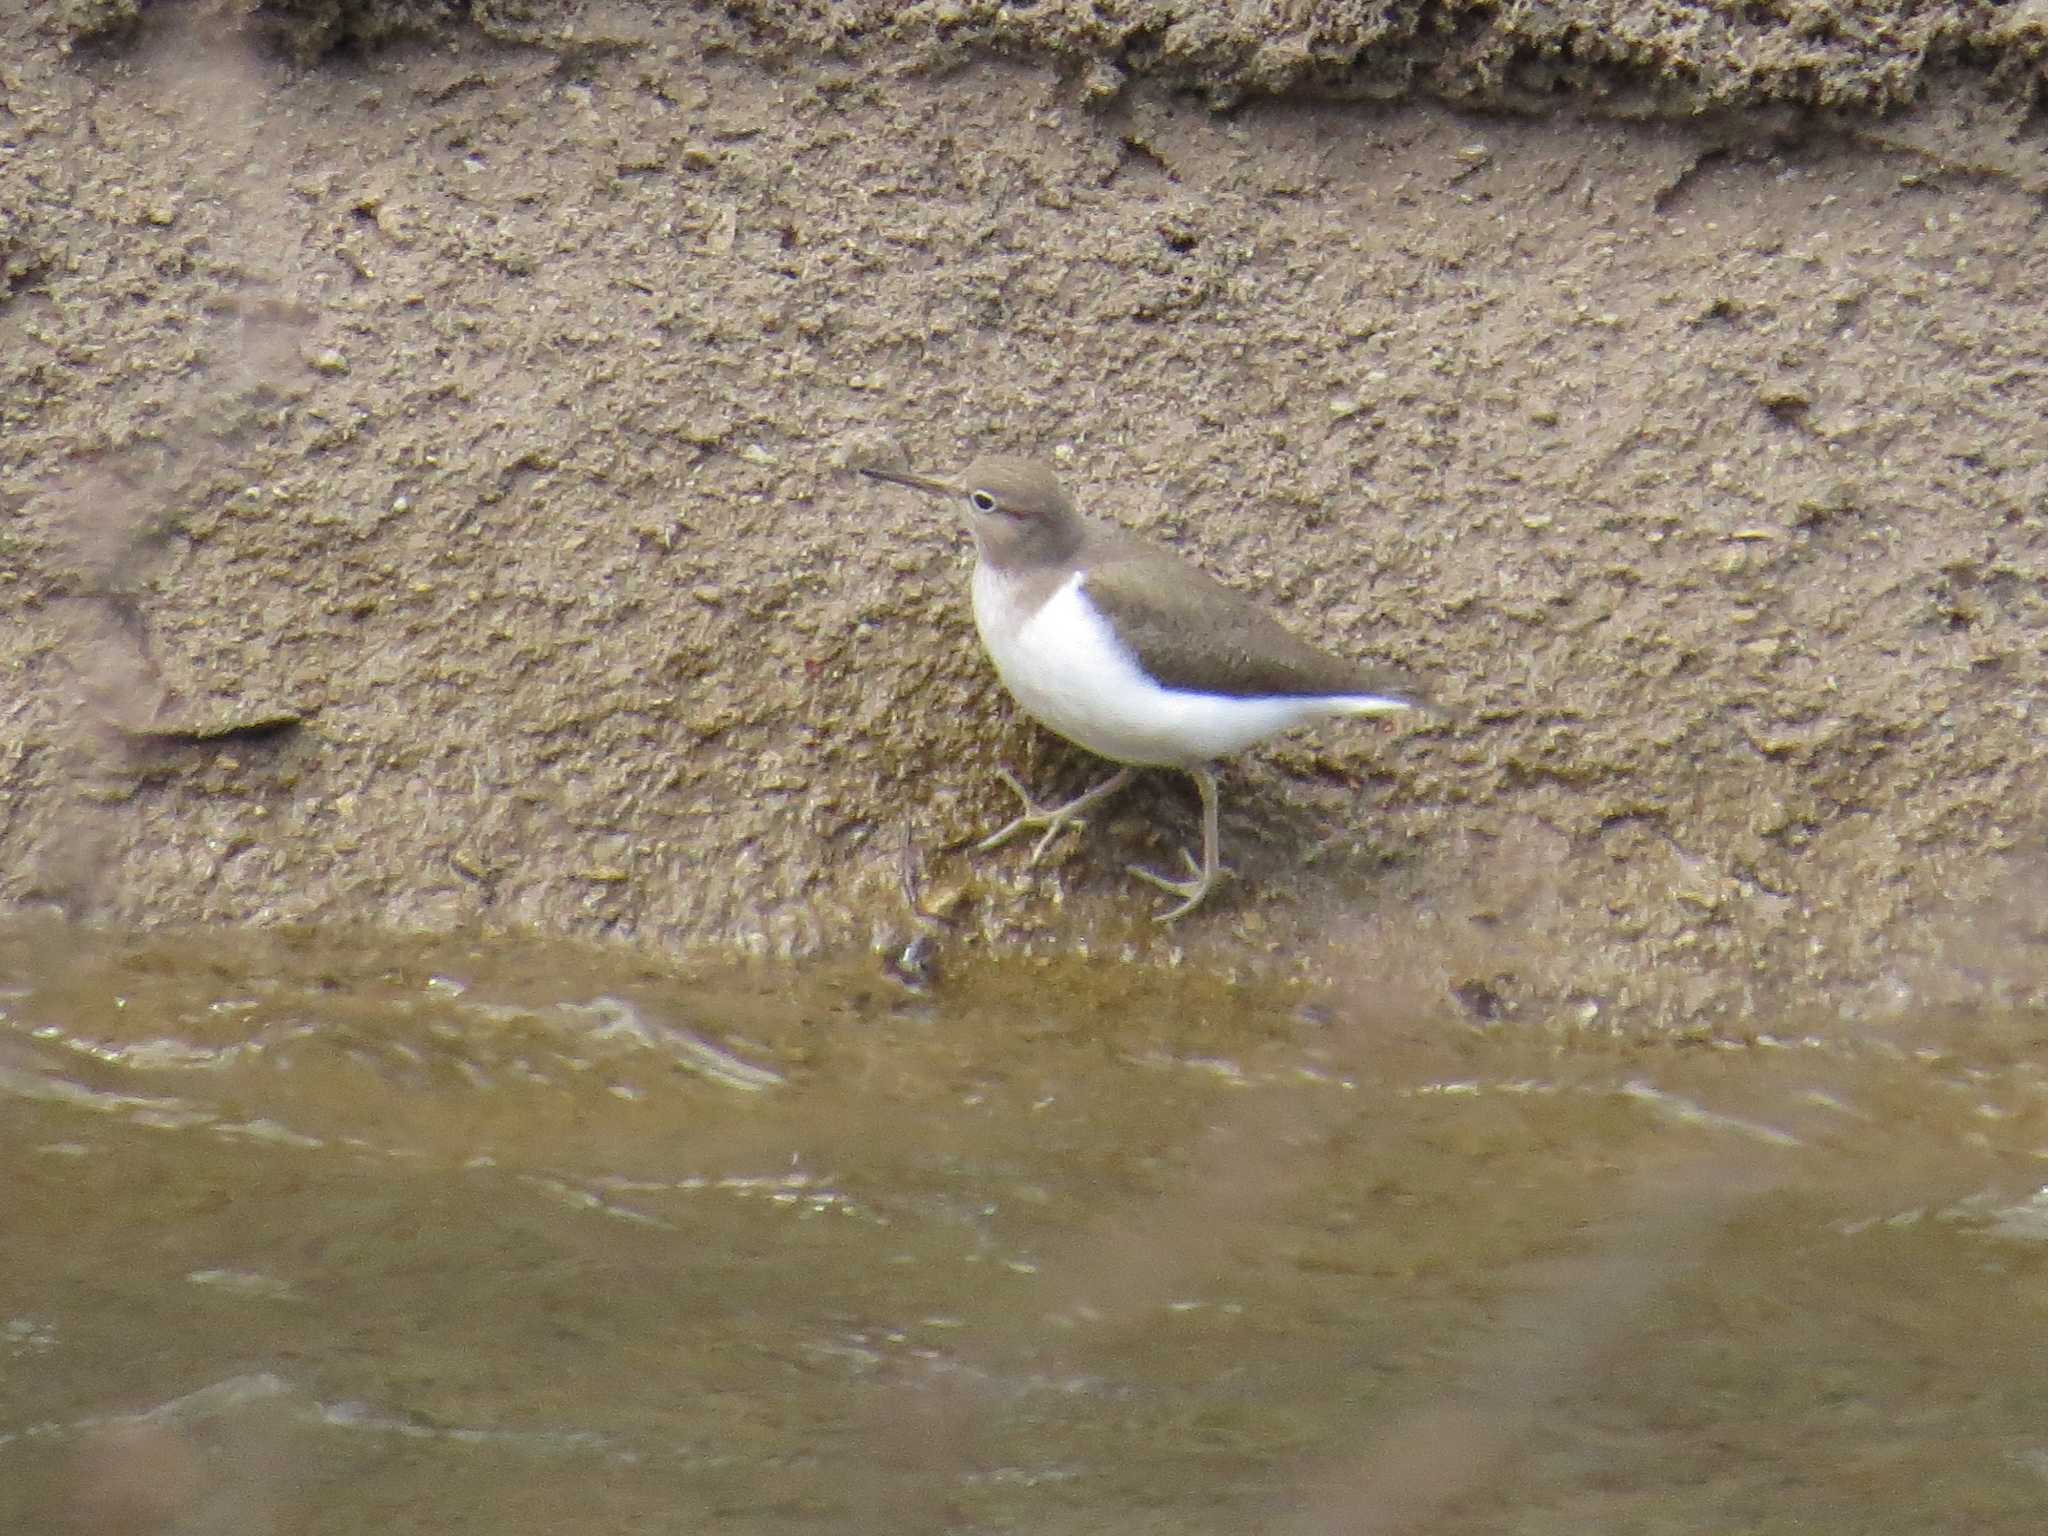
x: 1222, y: 642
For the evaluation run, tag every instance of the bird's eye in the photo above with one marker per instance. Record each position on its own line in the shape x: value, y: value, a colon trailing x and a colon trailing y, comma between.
x: 981, y: 501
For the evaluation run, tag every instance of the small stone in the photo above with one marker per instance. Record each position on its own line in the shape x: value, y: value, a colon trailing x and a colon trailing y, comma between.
x: 328, y: 360
x: 1785, y: 396
x: 946, y: 900
x: 1102, y: 83
x: 703, y: 431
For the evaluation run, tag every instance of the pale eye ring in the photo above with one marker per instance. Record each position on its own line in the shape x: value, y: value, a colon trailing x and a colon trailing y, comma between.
x: 981, y: 501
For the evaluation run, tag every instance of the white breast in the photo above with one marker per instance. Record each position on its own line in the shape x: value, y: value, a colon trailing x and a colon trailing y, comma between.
x: 1065, y: 665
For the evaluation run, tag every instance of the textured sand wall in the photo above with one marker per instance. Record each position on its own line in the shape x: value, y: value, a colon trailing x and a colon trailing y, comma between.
x: 425, y: 495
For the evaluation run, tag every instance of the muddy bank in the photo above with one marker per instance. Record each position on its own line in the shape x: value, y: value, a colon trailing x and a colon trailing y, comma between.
x: 425, y: 489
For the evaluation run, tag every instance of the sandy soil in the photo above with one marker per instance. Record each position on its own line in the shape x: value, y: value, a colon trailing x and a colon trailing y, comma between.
x: 425, y: 495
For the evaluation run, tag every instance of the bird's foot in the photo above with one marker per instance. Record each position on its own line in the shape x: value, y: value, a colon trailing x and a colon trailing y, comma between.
x: 1052, y: 819
x: 1190, y: 891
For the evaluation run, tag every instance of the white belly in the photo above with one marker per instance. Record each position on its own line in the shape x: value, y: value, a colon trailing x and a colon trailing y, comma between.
x: 1065, y: 666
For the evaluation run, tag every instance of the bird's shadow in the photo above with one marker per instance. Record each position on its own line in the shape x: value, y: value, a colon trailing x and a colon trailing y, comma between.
x: 1304, y: 831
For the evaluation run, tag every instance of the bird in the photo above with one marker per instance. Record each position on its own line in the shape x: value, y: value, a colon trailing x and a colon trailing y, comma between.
x: 1126, y: 649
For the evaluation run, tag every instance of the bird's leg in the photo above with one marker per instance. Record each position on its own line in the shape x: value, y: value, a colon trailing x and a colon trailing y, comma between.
x: 1191, y: 891
x: 1051, y: 818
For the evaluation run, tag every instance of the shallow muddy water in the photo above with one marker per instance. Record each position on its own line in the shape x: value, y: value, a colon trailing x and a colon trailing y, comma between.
x: 345, y: 1233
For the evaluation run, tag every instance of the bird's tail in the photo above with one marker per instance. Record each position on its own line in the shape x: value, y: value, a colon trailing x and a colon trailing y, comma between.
x: 1393, y: 693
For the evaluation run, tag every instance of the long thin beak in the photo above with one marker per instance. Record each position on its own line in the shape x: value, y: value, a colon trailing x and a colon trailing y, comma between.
x: 915, y: 482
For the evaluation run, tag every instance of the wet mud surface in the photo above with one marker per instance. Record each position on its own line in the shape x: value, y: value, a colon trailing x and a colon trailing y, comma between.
x: 333, y: 1233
